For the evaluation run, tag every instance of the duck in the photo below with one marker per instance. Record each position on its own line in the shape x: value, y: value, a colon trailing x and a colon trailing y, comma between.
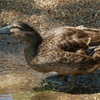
x: 66, y: 50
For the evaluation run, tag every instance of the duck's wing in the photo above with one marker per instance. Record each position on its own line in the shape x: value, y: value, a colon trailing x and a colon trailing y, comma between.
x: 74, y: 38
x: 69, y: 39
x: 93, y: 36
x: 83, y: 41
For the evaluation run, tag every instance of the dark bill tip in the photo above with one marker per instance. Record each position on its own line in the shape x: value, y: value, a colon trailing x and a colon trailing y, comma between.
x: 5, y: 30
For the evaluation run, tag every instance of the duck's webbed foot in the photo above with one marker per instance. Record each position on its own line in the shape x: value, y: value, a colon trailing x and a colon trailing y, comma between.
x: 59, y: 83
x: 67, y: 86
x: 49, y: 83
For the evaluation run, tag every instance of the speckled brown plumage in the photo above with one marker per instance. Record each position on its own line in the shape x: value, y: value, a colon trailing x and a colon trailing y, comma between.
x: 65, y: 50
x: 58, y: 51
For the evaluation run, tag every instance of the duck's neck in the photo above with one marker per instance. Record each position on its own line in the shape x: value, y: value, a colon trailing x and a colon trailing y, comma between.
x: 31, y: 50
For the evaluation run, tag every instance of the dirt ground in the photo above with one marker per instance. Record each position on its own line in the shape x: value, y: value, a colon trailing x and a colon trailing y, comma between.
x: 44, y: 15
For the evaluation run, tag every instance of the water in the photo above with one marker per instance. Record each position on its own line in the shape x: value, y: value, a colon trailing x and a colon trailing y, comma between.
x: 6, y: 97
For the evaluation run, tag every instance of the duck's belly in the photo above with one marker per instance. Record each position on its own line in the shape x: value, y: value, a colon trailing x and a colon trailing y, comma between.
x: 64, y: 69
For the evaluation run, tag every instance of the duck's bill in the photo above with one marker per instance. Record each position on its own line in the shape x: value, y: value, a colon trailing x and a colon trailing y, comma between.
x: 5, y: 30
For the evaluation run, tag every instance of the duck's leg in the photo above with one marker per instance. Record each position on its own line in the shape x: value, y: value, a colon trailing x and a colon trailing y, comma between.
x: 61, y: 84
x: 68, y: 86
x: 51, y: 81
x: 71, y: 85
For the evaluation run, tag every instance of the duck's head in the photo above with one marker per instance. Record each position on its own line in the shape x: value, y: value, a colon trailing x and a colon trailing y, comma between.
x: 20, y: 30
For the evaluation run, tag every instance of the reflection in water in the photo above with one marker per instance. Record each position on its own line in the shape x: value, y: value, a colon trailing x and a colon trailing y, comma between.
x: 6, y: 97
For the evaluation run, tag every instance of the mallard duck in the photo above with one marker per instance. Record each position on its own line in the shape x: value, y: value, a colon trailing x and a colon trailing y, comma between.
x: 66, y: 50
